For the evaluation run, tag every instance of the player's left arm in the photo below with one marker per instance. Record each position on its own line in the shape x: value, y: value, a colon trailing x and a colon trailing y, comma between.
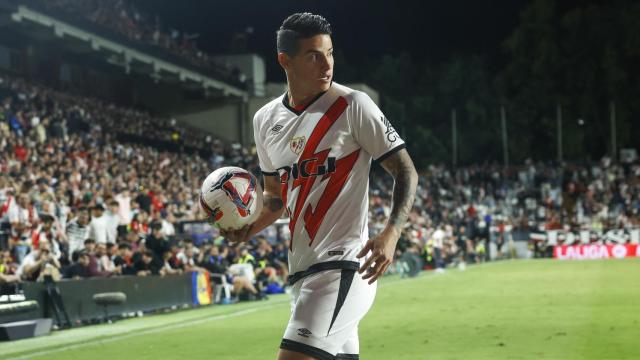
x: 382, y: 247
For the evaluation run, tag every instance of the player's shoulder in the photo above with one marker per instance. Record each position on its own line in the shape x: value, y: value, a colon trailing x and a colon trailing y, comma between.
x: 265, y: 115
x: 269, y: 108
x: 354, y: 97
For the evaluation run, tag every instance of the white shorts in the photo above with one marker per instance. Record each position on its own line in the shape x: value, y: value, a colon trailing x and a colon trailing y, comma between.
x: 326, y: 308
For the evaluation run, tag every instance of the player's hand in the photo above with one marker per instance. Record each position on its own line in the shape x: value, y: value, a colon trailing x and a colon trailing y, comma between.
x: 381, y: 248
x: 237, y: 236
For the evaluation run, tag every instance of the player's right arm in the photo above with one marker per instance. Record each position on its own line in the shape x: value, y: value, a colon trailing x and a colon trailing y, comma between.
x: 273, y: 207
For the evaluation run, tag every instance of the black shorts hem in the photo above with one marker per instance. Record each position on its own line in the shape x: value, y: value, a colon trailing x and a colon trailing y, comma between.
x: 348, y: 357
x: 317, y: 353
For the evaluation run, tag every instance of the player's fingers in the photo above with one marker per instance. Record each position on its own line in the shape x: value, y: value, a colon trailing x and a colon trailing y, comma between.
x: 375, y: 269
x: 365, y: 249
x: 379, y: 273
x: 367, y: 264
x: 245, y: 232
x: 370, y: 272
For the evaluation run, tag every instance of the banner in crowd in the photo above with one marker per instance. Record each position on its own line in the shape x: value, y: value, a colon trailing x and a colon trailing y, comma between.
x: 621, y: 236
x: 201, y: 288
x: 596, y: 251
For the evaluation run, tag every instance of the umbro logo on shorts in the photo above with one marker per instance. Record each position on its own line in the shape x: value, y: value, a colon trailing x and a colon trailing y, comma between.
x: 304, y: 332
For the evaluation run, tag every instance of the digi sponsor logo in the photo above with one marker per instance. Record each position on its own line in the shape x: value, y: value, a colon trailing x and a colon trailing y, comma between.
x: 307, y: 168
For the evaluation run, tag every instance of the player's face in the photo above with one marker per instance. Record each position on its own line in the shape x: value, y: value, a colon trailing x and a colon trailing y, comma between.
x: 311, y: 69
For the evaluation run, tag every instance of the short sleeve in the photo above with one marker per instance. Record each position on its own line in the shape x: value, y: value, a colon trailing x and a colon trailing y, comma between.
x: 371, y: 129
x: 265, y: 163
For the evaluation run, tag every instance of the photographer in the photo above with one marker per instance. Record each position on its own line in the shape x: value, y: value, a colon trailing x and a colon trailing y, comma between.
x: 37, y: 261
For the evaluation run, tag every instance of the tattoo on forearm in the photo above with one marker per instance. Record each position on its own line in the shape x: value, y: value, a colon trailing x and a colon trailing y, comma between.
x: 273, y: 203
x: 401, y: 168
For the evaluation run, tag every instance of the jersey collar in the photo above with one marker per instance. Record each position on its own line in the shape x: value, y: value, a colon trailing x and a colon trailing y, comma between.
x: 285, y: 102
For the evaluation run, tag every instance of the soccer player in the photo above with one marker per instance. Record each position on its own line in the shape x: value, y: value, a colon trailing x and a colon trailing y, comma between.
x: 315, y: 144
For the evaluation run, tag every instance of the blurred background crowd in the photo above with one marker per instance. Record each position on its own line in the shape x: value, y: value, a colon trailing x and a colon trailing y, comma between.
x: 88, y: 189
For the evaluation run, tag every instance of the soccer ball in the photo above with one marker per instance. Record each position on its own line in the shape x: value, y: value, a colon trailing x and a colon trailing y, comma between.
x: 231, y: 198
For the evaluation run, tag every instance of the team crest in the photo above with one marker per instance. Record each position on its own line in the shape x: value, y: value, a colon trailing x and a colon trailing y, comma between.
x: 297, y: 144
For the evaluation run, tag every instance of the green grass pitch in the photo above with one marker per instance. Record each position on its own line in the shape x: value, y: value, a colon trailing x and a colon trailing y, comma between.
x: 529, y: 309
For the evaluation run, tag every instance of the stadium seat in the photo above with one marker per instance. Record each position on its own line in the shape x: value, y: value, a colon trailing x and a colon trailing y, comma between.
x: 18, y: 307
x: 109, y: 298
x: 219, y: 287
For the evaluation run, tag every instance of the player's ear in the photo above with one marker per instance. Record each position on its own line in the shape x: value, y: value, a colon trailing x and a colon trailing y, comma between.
x: 284, y: 60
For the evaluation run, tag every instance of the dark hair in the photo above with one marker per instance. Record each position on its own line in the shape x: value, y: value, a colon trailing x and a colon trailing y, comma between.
x: 124, y: 246
x: 156, y: 225
x: 300, y: 26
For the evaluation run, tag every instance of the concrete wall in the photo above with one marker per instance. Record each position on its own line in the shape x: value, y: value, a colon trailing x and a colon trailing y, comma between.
x: 222, y: 120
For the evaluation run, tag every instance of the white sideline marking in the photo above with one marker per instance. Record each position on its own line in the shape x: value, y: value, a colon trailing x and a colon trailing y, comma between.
x: 152, y: 330
x: 178, y: 325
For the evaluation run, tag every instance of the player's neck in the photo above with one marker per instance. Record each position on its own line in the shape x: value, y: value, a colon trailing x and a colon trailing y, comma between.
x: 298, y: 99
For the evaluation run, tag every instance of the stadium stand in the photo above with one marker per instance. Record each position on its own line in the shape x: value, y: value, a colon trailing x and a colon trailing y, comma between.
x: 133, y: 27
x: 90, y: 188
x: 77, y: 168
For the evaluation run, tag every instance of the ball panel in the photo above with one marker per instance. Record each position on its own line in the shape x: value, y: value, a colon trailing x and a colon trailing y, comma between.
x: 231, y: 197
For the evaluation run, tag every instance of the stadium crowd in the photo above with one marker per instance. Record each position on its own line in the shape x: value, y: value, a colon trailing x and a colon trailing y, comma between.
x: 125, y: 19
x: 82, y: 195
x: 459, y: 212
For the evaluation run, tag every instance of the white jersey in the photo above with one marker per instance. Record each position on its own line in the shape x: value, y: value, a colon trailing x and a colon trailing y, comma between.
x: 323, y: 155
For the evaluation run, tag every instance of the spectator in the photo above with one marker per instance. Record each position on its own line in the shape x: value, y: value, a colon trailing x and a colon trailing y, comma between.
x: 78, y: 231
x: 167, y: 268
x: 106, y: 266
x: 112, y: 221
x: 123, y: 261
x: 23, y: 218
x: 99, y: 227
x: 90, y: 248
x: 45, y: 231
x: 146, y: 265
x: 156, y: 242
x: 437, y: 242
x: 7, y: 265
x: 80, y: 269
x: 35, y: 263
x: 124, y: 211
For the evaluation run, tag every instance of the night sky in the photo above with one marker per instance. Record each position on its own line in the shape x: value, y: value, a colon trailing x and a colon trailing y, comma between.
x: 429, y: 30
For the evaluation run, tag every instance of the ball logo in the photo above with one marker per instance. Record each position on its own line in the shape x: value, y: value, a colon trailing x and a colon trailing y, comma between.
x: 212, y: 214
x: 243, y: 202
